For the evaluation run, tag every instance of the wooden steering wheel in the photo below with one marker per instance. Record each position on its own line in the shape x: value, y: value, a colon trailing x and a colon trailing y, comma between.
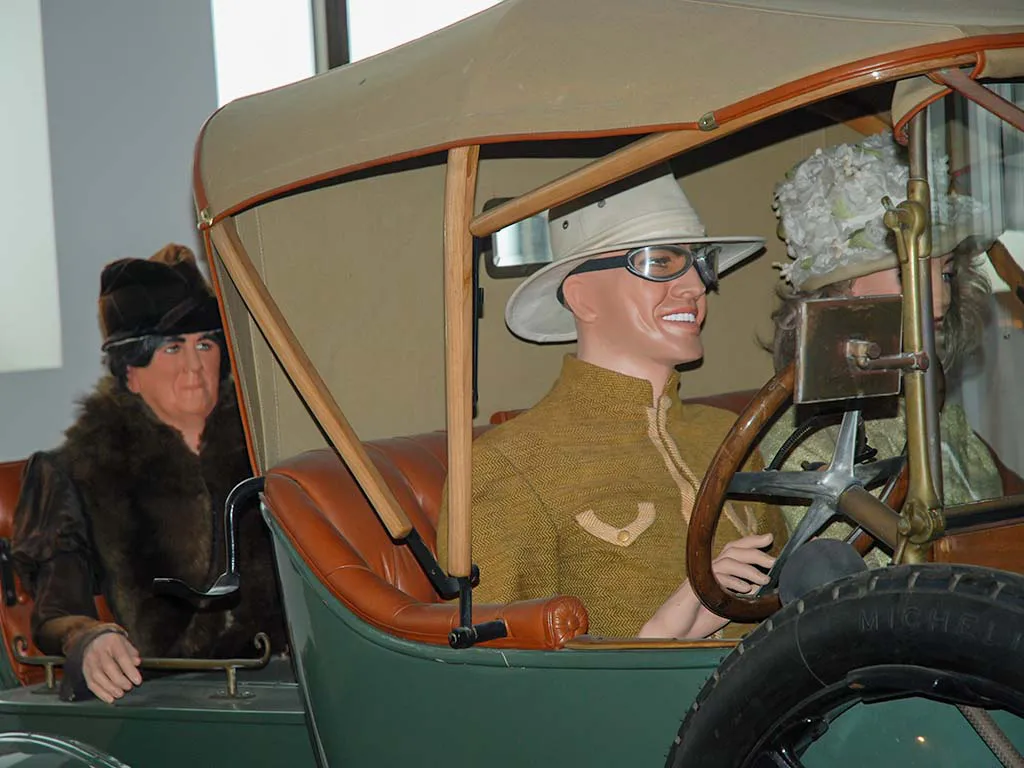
x: 822, y: 487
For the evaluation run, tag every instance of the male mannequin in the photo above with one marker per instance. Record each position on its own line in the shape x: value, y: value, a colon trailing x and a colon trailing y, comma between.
x: 589, y: 492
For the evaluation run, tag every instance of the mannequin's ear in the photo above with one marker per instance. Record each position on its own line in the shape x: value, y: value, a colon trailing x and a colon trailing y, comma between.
x: 579, y: 297
x: 132, y: 380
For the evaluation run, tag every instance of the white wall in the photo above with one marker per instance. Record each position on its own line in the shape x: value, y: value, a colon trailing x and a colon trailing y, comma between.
x: 377, y: 25
x: 129, y: 84
x: 29, y: 253
x: 261, y: 44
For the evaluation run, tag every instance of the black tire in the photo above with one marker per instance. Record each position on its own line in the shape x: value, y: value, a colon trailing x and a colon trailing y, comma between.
x: 893, y: 628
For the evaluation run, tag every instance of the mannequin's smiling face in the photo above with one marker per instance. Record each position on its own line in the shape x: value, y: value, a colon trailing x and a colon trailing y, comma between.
x: 649, y: 322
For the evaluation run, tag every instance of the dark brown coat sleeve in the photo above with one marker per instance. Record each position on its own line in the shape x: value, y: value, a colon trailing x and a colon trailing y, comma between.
x: 52, y: 554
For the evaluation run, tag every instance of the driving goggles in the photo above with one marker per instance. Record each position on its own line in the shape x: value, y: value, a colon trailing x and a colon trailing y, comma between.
x: 657, y: 263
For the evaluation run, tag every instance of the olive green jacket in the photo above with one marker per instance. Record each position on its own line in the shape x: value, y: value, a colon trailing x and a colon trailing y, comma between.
x: 589, y: 493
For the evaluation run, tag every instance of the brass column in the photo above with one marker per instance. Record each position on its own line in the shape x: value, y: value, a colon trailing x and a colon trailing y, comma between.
x: 910, y: 222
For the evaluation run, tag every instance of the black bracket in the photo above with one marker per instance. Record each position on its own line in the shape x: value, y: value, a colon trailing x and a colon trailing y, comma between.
x: 228, y: 582
x: 446, y: 586
x: 468, y: 634
x: 479, y: 246
x: 7, y: 573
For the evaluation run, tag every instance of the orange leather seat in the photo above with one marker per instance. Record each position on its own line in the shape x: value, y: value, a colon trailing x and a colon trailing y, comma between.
x: 16, y: 615
x: 323, y: 513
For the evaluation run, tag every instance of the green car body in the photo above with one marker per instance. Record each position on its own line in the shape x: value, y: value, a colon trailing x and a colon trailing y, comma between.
x: 362, y: 697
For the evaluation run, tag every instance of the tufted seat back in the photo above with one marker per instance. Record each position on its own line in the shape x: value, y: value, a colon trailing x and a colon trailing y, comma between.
x: 15, y: 604
x: 328, y: 520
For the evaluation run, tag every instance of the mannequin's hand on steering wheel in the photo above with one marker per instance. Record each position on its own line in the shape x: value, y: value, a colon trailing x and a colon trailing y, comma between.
x: 736, y: 569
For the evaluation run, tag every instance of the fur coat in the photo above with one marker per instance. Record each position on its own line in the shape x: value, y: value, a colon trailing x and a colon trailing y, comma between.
x: 138, y: 504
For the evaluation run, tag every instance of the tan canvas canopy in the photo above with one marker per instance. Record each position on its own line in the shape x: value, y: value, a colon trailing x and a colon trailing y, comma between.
x: 689, y: 71
x: 547, y: 68
x: 342, y: 207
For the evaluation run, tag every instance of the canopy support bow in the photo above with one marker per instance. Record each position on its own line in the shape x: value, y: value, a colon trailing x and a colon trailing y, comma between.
x: 459, y: 197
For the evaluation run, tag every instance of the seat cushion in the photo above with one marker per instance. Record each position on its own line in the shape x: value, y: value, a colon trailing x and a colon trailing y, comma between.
x: 329, y: 522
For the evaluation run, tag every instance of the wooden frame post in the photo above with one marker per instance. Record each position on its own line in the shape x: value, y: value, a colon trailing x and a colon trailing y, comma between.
x: 459, y: 197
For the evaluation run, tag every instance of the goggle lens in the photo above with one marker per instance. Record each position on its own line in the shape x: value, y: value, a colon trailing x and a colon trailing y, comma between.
x: 662, y: 263
x: 659, y: 263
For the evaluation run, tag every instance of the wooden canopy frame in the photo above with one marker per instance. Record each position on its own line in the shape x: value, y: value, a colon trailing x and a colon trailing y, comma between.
x: 460, y: 226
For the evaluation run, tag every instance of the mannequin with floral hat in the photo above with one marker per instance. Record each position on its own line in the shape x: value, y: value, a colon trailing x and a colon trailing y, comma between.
x: 830, y: 211
x: 133, y: 493
x: 589, y: 492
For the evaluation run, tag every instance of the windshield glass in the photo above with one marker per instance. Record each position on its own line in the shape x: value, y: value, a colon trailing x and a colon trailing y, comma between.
x: 976, y: 172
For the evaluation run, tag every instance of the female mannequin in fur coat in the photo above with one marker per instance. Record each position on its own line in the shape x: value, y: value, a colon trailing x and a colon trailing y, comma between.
x: 134, y: 493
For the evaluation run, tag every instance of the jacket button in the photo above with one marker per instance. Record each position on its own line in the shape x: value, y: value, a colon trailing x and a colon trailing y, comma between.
x: 623, y: 537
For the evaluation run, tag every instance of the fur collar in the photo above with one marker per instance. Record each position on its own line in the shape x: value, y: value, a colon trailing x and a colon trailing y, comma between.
x: 117, y: 430
x: 150, y: 504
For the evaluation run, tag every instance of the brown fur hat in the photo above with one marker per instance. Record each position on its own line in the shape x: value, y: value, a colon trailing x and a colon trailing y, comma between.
x: 164, y: 295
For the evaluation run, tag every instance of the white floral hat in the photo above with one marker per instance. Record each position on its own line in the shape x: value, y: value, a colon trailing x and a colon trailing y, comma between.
x: 648, y: 208
x: 830, y: 210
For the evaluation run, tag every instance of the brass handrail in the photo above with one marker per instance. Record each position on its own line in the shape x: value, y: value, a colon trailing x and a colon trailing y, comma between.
x: 230, y: 666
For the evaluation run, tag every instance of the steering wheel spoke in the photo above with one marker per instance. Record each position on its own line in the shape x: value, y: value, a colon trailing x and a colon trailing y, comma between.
x: 819, y: 513
x: 878, y: 471
x: 846, y: 444
x: 798, y: 485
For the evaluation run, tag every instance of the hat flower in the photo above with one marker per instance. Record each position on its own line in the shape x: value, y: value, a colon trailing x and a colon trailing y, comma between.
x: 830, y: 206
x: 831, y: 212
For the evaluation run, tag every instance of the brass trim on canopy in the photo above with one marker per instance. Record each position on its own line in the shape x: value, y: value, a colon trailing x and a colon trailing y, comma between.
x: 659, y: 147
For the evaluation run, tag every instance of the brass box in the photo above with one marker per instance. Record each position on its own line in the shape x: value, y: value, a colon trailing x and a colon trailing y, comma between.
x: 824, y: 369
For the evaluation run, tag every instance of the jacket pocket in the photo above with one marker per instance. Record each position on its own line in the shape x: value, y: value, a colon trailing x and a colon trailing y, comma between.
x: 620, y: 537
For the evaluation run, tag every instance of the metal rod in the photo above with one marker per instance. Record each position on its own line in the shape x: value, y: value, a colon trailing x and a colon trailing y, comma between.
x: 230, y: 666
x: 983, y: 514
x: 872, y: 515
x: 982, y: 96
x: 909, y: 222
x: 918, y: 185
